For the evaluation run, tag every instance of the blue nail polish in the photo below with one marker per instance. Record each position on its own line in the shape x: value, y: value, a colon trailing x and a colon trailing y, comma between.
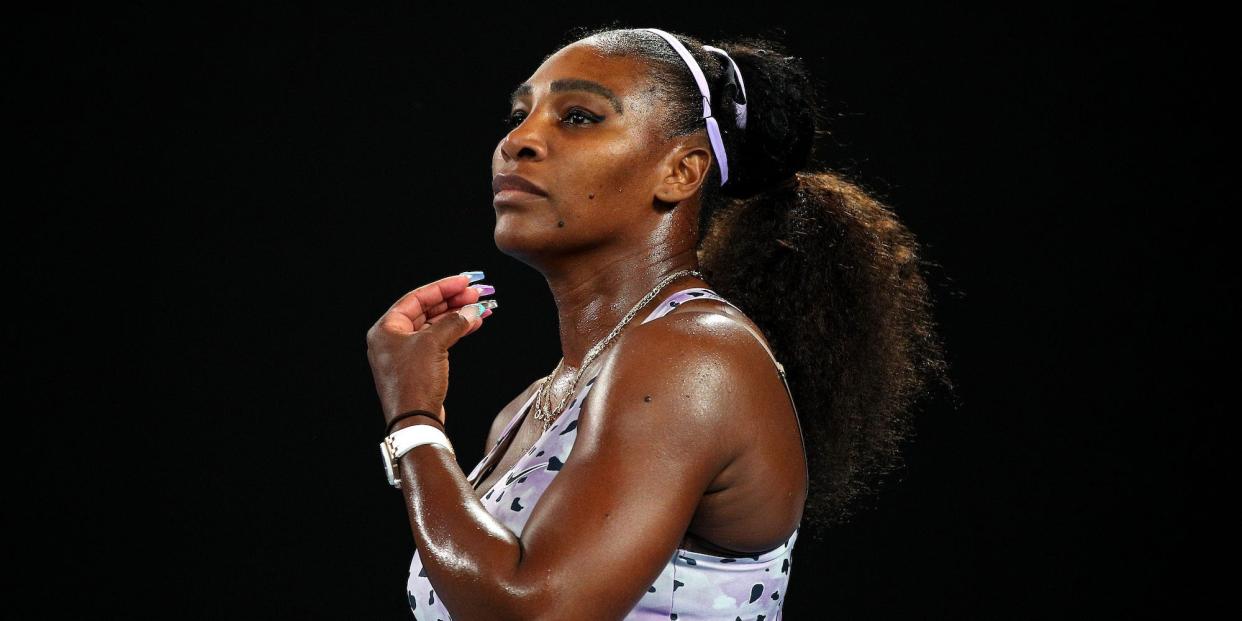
x: 474, y: 276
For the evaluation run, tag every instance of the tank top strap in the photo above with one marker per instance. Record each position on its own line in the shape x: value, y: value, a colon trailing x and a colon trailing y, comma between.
x: 696, y: 293
x: 682, y: 296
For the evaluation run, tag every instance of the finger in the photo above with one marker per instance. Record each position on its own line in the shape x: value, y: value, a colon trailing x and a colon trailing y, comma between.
x: 488, y: 306
x: 451, y: 327
x: 418, y: 305
x: 478, y: 325
x: 431, y: 314
x: 469, y: 295
x: 443, y: 316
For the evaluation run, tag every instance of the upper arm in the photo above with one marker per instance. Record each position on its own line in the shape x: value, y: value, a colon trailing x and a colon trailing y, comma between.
x: 652, y: 435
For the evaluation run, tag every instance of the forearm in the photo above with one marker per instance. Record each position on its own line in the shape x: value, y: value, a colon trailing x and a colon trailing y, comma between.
x: 469, y: 556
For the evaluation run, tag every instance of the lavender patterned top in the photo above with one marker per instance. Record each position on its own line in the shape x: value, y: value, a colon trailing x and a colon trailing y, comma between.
x: 692, y: 587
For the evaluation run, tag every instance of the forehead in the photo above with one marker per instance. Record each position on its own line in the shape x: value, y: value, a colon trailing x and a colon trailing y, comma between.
x: 583, y: 67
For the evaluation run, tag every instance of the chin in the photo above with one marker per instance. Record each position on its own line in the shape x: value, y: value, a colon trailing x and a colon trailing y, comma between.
x: 532, y: 239
x: 514, y: 238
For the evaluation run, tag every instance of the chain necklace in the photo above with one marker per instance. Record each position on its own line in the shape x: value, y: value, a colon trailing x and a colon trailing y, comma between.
x: 542, y: 412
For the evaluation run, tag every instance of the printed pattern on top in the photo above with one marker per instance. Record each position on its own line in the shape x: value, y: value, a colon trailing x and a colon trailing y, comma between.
x: 692, y: 586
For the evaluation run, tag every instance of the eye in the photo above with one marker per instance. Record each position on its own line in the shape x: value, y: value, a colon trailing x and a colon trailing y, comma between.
x: 514, y: 119
x: 579, y: 113
x: 575, y: 116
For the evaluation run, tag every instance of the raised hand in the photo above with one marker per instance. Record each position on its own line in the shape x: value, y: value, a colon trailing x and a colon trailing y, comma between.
x: 408, y: 346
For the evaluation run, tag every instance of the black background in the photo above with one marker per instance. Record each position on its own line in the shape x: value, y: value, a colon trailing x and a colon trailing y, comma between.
x: 213, y: 204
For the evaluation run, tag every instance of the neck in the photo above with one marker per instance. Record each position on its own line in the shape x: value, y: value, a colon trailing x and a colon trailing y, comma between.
x: 593, y: 296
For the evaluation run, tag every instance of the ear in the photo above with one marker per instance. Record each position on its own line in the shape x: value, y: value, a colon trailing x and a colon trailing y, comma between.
x: 683, y: 170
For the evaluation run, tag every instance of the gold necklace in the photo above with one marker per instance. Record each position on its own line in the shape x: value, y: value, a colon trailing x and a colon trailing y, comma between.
x: 541, y: 409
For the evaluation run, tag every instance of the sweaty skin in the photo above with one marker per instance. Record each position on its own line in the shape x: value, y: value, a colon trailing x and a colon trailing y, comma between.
x: 688, y: 424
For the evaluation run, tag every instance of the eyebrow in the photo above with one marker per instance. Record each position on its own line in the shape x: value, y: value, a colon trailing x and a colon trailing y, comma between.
x: 571, y: 84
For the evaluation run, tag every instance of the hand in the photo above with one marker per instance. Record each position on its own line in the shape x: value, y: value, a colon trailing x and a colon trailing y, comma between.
x: 408, y: 346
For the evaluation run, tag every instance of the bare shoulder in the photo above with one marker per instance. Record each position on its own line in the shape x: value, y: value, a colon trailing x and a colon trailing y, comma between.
x: 687, y: 379
x: 655, y: 430
x: 671, y: 440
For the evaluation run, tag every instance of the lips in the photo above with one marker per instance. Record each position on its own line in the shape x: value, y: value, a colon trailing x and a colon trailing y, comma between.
x: 504, y: 181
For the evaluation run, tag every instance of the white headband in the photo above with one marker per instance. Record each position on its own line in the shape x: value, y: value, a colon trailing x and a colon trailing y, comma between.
x: 713, y: 128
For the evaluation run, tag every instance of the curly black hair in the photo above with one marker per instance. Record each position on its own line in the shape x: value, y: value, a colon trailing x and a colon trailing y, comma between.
x: 860, y: 346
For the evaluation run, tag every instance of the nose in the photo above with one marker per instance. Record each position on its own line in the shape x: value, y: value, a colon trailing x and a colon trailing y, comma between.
x: 523, y: 141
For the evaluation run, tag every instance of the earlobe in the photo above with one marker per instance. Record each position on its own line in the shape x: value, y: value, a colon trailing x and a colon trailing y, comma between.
x: 669, y: 196
x: 673, y: 190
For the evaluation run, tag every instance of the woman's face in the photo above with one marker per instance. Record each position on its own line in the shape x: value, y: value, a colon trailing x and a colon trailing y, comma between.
x: 583, y: 130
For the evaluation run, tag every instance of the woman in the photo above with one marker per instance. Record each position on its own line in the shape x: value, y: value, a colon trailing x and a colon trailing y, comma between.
x: 651, y: 220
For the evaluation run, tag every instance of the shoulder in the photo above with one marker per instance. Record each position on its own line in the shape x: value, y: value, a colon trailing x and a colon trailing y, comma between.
x: 685, y: 379
x: 657, y: 426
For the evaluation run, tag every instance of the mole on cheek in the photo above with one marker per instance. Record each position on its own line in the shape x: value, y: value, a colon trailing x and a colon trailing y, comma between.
x: 560, y: 223
x: 591, y: 195
x: 647, y: 398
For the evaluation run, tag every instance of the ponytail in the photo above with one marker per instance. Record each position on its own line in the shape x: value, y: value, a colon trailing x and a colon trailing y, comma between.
x: 828, y: 273
x: 832, y: 278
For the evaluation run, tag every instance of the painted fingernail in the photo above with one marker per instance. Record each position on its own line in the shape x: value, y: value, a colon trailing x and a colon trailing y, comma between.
x: 475, y: 276
x: 484, y: 289
x: 480, y: 309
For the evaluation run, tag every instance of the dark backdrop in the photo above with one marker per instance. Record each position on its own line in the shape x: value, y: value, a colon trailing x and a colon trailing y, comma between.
x: 215, y: 204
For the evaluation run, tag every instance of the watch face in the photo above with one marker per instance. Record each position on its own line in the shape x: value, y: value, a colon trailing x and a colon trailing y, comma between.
x: 386, y: 454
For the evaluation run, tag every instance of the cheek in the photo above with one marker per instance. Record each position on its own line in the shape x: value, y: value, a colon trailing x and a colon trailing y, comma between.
x: 613, y: 172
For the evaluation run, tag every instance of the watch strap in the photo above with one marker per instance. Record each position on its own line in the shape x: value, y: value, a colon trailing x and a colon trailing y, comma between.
x: 407, y: 438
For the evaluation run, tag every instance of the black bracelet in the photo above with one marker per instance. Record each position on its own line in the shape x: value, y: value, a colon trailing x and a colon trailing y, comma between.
x: 401, y: 417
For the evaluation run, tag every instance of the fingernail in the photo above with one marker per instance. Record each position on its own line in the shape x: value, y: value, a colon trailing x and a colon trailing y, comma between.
x: 475, y: 276
x: 484, y: 289
x: 476, y: 310
x: 486, y: 313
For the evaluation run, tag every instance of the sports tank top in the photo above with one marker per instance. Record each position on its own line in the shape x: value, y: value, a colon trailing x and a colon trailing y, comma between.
x: 693, y: 586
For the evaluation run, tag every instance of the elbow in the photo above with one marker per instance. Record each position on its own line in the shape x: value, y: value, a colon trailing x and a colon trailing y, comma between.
x: 540, y: 601
x: 511, y: 597
x: 507, y: 606
x: 527, y: 597
x: 522, y: 602
x: 548, y: 602
x: 500, y: 605
x: 520, y: 595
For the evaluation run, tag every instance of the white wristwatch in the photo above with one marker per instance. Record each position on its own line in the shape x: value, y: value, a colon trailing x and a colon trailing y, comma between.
x: 402, y: 440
